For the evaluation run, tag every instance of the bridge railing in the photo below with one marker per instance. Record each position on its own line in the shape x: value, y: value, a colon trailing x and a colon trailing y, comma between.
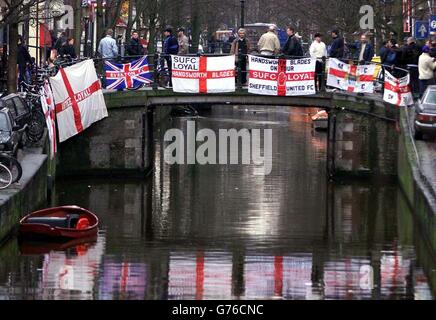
x: 158, y: 66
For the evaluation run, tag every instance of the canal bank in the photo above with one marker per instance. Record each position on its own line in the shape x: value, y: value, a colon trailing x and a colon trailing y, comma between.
x: 27, y: 195
x: 419, y: 189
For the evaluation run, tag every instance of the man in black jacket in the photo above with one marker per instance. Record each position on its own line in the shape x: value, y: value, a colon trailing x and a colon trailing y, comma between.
x: 134, y: 48
x: 292, y: 47
x: 337, y: 46
x: 67, y: 50
x: 24, y: 61
x: 411, y: 52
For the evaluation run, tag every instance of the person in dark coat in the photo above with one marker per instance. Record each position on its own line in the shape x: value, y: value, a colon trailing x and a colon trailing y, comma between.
x: 337, y: 46
x: 410, y: 54
x: 383, y: 53
x: 67, y: 50
x: 170, y: 47
x: 135, y: 48
x: 240, y: 48
x: 24, y: 60
x: 62, y: 40
x: 364, y: 50
x: 292, y: 46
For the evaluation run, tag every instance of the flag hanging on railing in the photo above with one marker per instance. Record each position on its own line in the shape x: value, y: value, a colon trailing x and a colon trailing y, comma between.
x: 78, y: 97
x: 397, y: 91
x: 128, y: 75
x: 350, y: 78
x: 48, y: 108
x: 281, y: 77
x: 203, y: 74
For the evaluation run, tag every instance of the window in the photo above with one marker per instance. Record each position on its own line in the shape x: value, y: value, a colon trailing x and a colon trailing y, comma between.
x: 10, y: 105
x: 430, y: 99
x: 4, y: 125
x: 20, y: 106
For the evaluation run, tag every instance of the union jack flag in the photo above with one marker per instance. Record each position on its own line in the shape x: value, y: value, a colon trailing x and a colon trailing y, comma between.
x: 129, y: 75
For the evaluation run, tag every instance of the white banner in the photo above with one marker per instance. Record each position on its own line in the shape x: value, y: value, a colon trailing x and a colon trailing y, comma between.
x: 79, y: 99
x: 203, y: 74
x: 397, y: 91
x: 48, y: 108
x: 350, y: 77
x: 281, y: 77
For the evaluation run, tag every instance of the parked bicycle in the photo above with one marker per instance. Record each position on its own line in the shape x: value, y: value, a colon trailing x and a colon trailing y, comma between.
x: 36, y: 122
x: 5, y: 177
x: 13, y: 165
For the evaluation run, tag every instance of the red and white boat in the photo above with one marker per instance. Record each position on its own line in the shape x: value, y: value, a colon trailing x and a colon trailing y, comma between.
x: 69, y: 222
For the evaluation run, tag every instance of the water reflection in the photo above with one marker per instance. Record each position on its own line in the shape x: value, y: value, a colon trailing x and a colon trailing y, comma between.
x: 220, y: 232
x: 72, y: 273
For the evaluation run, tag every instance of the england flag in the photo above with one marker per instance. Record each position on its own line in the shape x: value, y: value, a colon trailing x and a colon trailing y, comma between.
x: 129, y: 75
x: 397, y: 91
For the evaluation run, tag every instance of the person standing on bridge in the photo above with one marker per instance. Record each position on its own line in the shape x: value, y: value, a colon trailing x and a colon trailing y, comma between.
x: 135, y: 48
x: 108, y: 48
x: 411, y: 53
x: 337, y: 47
x: 426, y: 66
x: 364, y: 50
x: 292, y: 46
x: 183, y: 41
x: 240, y: 48
x: 269, y: 43
x: 318, y: 51
x: 170, y: 47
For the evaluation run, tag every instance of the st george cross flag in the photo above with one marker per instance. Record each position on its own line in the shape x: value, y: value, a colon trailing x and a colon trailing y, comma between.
x: 78, y: 97
x: 397, y: 91
x: 203, y: 74
x: 350, y: 77
x: 281, y: 77
x: 48, y: 108
x: 129, y: 75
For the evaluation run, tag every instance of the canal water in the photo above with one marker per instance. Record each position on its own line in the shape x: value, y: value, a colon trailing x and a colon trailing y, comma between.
x: 226, y: 232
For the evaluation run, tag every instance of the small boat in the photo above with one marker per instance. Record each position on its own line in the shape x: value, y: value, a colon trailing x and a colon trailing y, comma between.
x: 320, y: 121
x: 69, y: 222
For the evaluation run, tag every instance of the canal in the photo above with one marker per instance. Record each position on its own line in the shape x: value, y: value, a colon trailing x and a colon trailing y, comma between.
x: 225, y: 232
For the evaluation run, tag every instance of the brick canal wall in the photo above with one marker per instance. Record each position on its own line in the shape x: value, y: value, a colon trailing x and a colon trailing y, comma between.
x: 363, y: 137
x: 117, y: 145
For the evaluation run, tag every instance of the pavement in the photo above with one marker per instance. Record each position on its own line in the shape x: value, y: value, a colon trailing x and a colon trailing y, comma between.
x: 427, y: 157
x: 31, y: 160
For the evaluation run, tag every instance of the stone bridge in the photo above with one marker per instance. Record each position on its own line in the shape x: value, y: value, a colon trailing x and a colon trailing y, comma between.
x: 362, y: 135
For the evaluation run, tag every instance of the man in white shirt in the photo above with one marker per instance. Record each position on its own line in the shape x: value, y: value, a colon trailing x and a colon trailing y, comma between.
x: 318, y: 51
x: 426, y: 67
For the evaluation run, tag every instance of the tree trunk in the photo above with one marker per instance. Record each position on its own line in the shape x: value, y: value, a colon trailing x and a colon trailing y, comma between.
x: 195, y: 26
x: 78, y: 26
x: 113, y: 14
x: 12, y: 59
x: 99, y: 21
x: 152, y: 34
x: 131, y: 20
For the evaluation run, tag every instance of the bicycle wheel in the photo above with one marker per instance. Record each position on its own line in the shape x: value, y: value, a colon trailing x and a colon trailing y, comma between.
x: 13, y: 165
x: 35, y: 128
x: 5, y: 177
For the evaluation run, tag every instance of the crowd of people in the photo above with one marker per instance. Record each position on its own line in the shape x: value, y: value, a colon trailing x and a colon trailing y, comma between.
x: 419, y: 61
